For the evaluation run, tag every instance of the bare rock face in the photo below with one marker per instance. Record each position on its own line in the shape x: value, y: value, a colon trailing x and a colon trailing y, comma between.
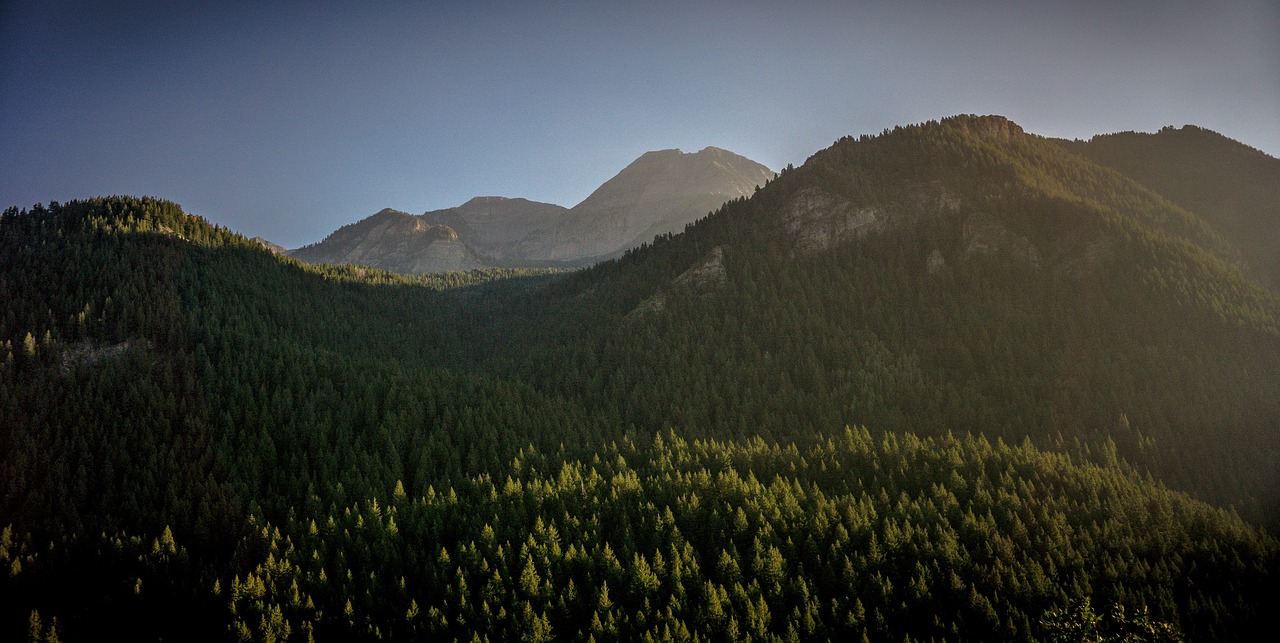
x: 935, y: 263
x: 931, y: 197
x: 987, y: 236
x: 707, y: 276
x: 659, y: 193
x: 820, y: 221
x: 85, y: 354
x: 996, y: 128
x: 497, y: 229
x: 651, y: 306
x: 395, y: 241
x: 273, y: 248
x: 1089, y: 258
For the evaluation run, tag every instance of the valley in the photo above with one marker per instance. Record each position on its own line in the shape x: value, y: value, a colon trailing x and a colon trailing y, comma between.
x: 952, y: 381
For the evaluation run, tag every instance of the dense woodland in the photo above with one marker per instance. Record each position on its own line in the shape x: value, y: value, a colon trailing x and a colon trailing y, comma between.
x: 1034, y: 399
x: 1232, y: 187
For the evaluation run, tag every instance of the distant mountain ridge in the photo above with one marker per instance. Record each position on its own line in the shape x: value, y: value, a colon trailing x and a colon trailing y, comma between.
x: 1233, y: 187
x: 658, y: 193
x: 951, y: 381
x: 1015, y: 287
x: 396, y: 241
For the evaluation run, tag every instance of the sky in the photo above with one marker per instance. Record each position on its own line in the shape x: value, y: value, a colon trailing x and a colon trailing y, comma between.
x: 287, y: 120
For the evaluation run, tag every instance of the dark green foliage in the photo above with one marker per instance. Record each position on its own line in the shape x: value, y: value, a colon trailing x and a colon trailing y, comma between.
x: 949, y: 539
x: 1234, y: 187
x: 183, y: 409
x: 1081, y: 623
x: 142, y: 588
x: 1103, y: 318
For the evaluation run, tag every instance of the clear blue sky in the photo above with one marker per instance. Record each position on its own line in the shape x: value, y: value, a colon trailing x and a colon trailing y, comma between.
x: 287, y: 120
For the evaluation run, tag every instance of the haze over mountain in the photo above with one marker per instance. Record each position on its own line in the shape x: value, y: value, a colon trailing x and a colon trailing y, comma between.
x: 927, y: 252
x: 290, y: 124
x: 659, y: 193
x: 396, y: 241
x: 954, y: 381
x: 1234, y: 187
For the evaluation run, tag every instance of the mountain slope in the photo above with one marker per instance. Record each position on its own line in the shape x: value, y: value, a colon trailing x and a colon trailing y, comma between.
x: 657, y: 194
x: 204, y: 439
x: 1232, y: 186
x: 955, y: 276
x: 496, y: 227
x: 278, y: 454
x: 395, y: 241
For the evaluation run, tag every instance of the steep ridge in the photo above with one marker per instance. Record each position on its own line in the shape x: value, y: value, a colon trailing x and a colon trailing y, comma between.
x: 960, y: 275
x: 1234, y: 187
x: 206, y: 439
x: 495, y: 227
x: 395, y: 241
x: 659, y: 193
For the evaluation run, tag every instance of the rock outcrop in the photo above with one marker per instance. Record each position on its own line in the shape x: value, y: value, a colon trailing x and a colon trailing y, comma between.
x: 274, y: 248
x: 818, y: 221
x: 984, y: 236
x: 708, y: 276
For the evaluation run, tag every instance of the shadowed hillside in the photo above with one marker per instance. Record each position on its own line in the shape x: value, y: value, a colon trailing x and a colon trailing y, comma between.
x: 950, y: 382
x: 1234, y: 187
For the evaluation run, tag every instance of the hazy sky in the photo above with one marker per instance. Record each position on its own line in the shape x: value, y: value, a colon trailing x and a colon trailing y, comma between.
x: 287, y: 120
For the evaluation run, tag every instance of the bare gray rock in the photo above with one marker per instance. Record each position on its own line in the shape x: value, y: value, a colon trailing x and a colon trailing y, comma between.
x: 986, y: 236
x: 707, y: 276
x: 659, y: 193
x: 935, y: 263
x: 819, y: 221
x: 87, y: 354
x: 274, y: 248
x: 1088, y: 259
x: 396, y: 241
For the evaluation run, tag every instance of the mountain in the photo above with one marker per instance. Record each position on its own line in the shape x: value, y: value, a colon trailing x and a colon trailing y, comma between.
x: 1234, y: 187
x: 657, y: 194
x: 497, y: 227
x: 952, y: 381
x: 963, y: 276
x: 396, y: 241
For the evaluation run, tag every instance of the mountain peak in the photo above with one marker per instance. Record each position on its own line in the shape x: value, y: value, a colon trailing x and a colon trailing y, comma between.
x: 654, y: 155
x: 677, y: 153
x: 487, y: 200
x: 658, y: 193
x: 988, y: 126
x: 718, y: 152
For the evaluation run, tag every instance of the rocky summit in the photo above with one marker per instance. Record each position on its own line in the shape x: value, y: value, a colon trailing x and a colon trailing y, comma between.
x: 659, y: 193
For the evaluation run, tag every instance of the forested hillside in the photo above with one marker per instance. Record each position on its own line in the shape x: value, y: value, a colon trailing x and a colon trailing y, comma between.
x: 951, y: 382
x: 959, y: 276
x: 1234, y: 187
